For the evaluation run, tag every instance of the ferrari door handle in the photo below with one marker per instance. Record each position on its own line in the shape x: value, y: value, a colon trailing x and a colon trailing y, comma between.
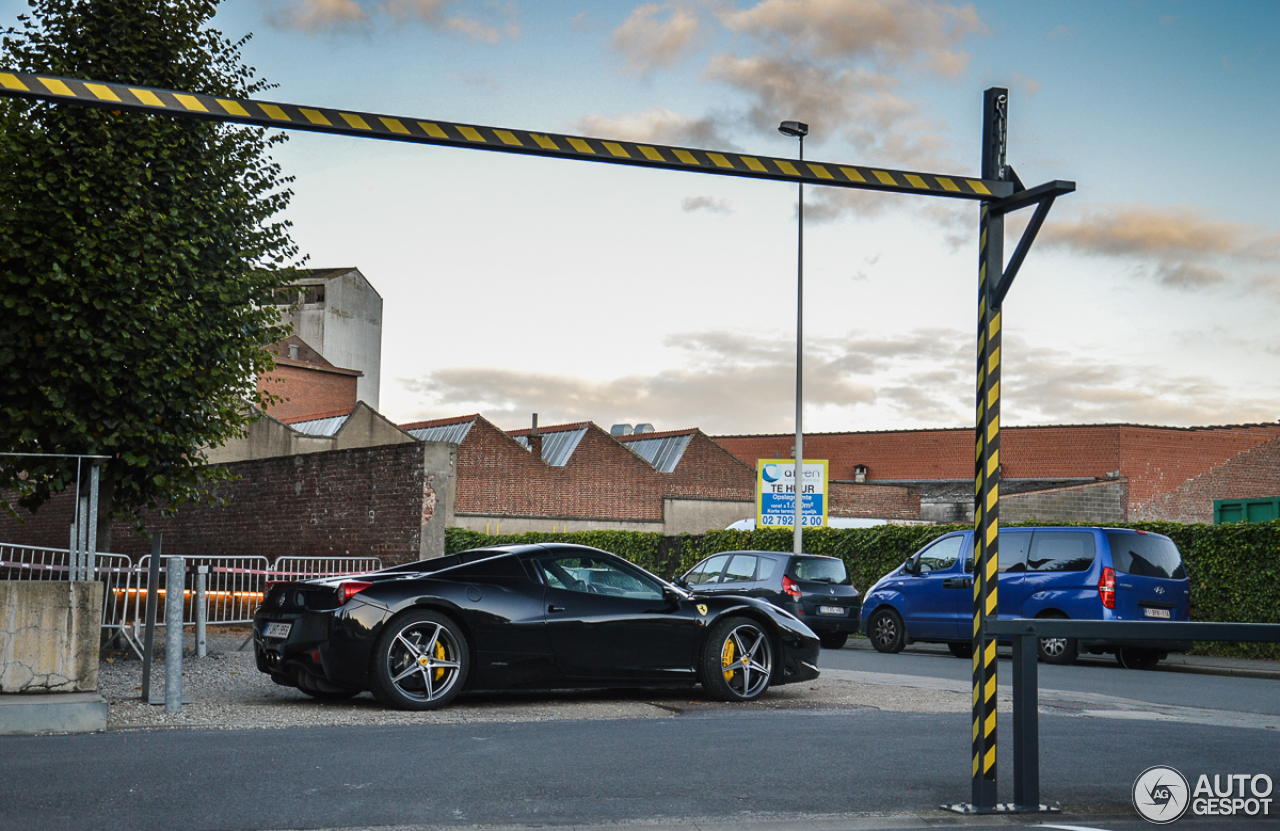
x: 957, y: 583
x: 555, y: 608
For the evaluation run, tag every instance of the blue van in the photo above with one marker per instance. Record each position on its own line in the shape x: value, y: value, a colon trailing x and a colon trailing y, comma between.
x: 1075, y: 573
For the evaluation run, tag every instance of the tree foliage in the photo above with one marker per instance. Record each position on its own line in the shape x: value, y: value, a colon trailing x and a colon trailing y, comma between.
x: 138, y: 254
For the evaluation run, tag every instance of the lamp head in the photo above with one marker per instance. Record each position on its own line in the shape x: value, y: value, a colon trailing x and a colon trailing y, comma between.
x: 795, y: 129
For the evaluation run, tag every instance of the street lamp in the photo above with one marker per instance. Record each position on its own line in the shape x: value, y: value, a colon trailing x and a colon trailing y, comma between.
x: 798, y: 129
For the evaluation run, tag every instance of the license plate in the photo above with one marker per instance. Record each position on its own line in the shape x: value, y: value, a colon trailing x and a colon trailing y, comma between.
x: 1160, y: 613
x: 277, y: 630
x: 830, y: 610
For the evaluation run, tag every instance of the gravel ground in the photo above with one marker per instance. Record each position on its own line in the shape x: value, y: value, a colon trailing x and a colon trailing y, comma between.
x: 226, y: 691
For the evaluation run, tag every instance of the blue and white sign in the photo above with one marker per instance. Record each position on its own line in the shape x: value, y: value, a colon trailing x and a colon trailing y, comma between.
x: 776, y: 493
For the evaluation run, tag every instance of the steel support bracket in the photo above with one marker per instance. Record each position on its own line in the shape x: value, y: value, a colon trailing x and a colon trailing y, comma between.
x: 1042, y: 197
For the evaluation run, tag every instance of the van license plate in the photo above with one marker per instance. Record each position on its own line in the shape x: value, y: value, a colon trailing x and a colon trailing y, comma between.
x: 281, y: 630
x: 830, y: 610
x: 1160, y: 613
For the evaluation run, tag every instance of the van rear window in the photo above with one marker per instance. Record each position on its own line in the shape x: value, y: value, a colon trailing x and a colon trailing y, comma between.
x: 1146, y: 555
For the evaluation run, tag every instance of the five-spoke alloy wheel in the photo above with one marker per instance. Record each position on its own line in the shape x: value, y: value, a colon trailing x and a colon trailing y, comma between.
x: 420, y: 661
x: 886, y: 631
x: 737, y: 664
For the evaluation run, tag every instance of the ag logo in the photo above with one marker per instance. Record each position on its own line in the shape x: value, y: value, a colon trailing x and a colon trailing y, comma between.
x: 1160, y: 794
x: 702, y: 608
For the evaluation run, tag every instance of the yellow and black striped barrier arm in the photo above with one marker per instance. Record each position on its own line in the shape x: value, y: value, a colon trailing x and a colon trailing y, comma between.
x: 130, y: 98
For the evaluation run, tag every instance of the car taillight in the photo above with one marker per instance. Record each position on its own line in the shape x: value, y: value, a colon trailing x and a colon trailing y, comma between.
x: 790, y: 587
x: 350, y: 589
x: 1107, y: 588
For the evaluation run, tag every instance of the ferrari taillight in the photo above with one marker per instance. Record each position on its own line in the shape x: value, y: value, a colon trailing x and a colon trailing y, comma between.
x: 790, y: 587
x: 1107, y: 587
x: 350, y: 589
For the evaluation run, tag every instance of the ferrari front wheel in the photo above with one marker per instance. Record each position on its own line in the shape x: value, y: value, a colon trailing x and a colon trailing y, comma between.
x: 420, y: 661
x: 737, y: 662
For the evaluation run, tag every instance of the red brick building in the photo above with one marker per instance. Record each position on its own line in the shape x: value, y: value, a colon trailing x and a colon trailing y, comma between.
x: 578, y: 476
x: 305, y: 382
x: 1105, y: 472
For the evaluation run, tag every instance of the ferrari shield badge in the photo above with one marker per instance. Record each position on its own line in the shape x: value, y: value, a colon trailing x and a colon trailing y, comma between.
x: 702, y: 608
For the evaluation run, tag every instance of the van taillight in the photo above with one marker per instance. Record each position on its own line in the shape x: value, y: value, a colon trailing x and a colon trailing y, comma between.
x: 1107, y: 588
x: 790, y: 587
x: 350, y: 589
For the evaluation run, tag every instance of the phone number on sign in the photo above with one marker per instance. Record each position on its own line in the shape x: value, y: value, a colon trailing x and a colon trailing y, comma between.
x: 788, y: 519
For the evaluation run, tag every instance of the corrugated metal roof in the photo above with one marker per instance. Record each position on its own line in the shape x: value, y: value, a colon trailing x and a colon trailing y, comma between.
x: 664, y: 453
x: 452, y: 433
x: 557, y: 447
x: 320, y: 426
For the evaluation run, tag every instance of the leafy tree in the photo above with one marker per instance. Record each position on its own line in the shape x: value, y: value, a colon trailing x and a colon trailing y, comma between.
x: 138, y: 256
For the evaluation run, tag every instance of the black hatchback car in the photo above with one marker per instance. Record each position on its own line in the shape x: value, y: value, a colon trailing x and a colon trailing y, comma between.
x: 815, y: 589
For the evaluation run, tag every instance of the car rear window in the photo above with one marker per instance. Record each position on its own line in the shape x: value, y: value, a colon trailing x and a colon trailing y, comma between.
x: 1145, y: 555
x: 1061, y: 551
x: 819, y: 570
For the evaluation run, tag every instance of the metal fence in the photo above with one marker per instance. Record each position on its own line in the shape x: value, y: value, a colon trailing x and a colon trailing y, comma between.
x: 233, y: 586
x: 114, y: 571
x: 305, y: 567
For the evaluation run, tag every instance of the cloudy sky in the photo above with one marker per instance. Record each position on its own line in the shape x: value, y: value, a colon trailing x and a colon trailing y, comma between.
x: 592, y: 292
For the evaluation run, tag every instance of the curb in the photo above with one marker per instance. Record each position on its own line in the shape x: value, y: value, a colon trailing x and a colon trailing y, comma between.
x: 1193, y: 664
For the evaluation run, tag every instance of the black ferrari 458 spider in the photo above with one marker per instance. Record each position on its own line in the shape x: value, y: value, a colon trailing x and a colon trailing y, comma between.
x: 521, y: 617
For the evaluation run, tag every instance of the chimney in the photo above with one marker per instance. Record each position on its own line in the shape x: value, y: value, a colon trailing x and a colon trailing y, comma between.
x: 535, y: 440
x: 860, y: 473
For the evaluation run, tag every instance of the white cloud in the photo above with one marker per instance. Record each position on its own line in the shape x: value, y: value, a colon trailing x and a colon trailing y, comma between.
x: 1177, y: 247
x: 706, y: 203
x: 657, y: 35
x: 885, y: 32
x: 314, y: 16
x: 735, y: 382
x: 317, y: 15
x: 657, y: 125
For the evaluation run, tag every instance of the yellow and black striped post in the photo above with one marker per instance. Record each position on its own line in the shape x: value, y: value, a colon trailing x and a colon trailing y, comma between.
x: 129, y: 98
x: 986, y: 509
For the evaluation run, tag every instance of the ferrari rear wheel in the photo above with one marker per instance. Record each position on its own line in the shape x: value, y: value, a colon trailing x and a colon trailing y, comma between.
x: 420, y: 662
x: 737, y: 662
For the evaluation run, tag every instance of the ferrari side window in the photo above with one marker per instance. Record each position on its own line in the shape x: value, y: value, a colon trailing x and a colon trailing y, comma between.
x: 596, y: 576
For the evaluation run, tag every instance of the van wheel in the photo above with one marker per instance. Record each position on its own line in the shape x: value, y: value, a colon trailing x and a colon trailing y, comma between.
x: 1061, y: 651
x: 1134, y: 658
x: 961, y: 649
x: 886, y: 631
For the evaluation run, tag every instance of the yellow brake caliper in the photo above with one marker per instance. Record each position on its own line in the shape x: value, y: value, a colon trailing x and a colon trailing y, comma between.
x: 439, y: 657
x: 727, y: 661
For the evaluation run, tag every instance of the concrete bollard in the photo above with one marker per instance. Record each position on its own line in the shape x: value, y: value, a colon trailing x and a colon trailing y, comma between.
x: 174, y: 585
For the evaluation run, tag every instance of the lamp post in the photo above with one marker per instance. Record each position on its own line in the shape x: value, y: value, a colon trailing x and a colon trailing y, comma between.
x: 798, y: 129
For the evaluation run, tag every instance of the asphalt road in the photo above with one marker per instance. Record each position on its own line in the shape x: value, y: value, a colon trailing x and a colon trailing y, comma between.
x: 1098, y: 674
x: 783, y: 766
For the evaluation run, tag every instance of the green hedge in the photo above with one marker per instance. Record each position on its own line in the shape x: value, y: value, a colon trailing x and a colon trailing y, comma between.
x: 1234, y: 569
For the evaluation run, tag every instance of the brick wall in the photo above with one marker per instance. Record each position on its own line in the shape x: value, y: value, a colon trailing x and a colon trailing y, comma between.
x: 602, y: 479
x: 1254, y: 474
x: 1154, y: 460
x: 368, y: 502
x: 877, y: 501
x: 309, y: 389
x: 1098, y: 502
